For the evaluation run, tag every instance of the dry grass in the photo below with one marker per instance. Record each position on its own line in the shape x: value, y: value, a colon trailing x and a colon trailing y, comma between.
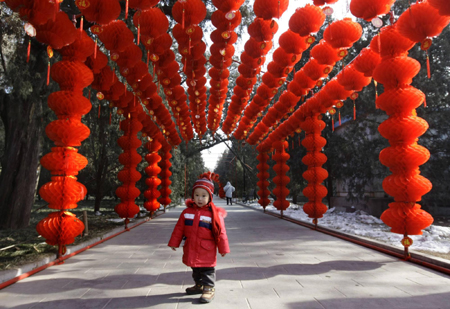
x: 27, y: 246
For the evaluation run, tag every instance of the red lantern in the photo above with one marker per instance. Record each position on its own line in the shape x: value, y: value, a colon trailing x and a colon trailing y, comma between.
x: 262, y: 30
x: 268, y: 9
x: 99, y: 11
x: 442, y: 5
x: 342, y: 33
x: 422, y: 21
x: 367, y: 9
x: 306, y: 20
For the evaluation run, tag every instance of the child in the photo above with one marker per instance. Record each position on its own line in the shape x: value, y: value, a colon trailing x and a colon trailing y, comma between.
x: 202, y: 227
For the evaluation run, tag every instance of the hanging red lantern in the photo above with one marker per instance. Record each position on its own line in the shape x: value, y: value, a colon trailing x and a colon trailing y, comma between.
x: 306, y: 20
x: 189, y: 12
x: 153, y: 22
x: 227, y: 5
x: 99, y: 11
x: 268, y: 9
x: 442, y: 5
x: 293, y: 43
x: 422, y: 21
x: 142, y: 4
x: 353, y: 80
x: 366, y: 61
x: 324, y: 53
x: 116, y: 36
x: 60, y: 228
x: 57, y: 33
x: 222, y: 19
x: 262, y: 30
x: 342, y: 33
x: 368, y: 10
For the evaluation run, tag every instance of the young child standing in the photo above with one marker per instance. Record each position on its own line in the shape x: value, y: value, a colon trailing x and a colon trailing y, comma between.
x: 202, y: 227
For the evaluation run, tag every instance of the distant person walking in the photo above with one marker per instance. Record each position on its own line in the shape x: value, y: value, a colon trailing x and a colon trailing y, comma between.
x: 229, y: 189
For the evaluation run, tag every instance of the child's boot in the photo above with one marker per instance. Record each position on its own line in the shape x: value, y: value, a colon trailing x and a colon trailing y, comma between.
x: 196, y: 289
x: 208, y: 294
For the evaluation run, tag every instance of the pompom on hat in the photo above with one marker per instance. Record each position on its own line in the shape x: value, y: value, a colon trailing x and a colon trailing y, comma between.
x: 204, y: 182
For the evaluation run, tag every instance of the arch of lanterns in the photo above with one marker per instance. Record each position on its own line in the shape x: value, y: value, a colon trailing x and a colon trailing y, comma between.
x: 135, y: 94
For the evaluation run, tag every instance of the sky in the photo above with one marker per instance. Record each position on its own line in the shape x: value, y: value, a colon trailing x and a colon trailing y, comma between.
x: 435, y: 238
x: 210, y: 156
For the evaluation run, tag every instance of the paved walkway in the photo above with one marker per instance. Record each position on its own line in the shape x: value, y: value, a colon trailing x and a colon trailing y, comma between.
x: 273, y: 264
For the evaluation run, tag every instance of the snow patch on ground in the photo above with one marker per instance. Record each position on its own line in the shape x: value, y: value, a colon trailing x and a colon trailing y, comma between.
x: 435, y: 238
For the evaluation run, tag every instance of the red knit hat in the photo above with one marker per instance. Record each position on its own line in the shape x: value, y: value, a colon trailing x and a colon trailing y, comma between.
x: 206, y: 183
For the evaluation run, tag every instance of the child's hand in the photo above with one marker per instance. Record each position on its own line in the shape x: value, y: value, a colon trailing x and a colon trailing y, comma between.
x: 223, y: 254
x: 173, y: 248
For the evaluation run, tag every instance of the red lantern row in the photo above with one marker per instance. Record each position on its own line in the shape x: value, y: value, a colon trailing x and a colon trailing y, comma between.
x: 152, y: 170
x: 188, y: 14
x: 119, y: 40
x: 345, y: 33
x: 130, y: 158
x: 281, y: 180
x: 154, y: 24
x: 221, y: 58
x: 402, y: 129
x: 315, y: 174
x: 263, y: 176
x: 261, y: 33
x: 305, y: 20
x: 165, y: 174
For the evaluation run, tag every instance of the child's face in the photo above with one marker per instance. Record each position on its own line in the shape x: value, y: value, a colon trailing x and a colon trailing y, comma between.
x: 201, y: 197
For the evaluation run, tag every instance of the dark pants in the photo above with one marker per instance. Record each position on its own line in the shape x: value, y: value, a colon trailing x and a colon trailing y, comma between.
x: 204, y: 275
x: 230, y: 199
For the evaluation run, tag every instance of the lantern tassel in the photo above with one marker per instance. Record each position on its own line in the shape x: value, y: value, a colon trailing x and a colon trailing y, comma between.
x: 95, y: 49
x: 190, y: 41
x: 428, y: 66
x: 28, y: 50
x: 126, y: 9
x: 48, y: 73
x: 109, y: 117
x: 339, y: 115
x: 354, y: 110
x: 139, y: 34
x: 278, y: 9
x: 332, y: 123
x: 89, y: 94
x: 182, y: 19
x: 379, y: 42
x: 81, y: 24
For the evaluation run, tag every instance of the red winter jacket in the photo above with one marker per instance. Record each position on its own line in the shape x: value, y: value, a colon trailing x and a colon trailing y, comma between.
x: 195, y: 227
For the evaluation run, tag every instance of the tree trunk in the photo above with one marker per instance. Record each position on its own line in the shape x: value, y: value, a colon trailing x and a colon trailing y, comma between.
x: 21, y: 113
x: 22, y: 118
x: 102, y: 162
